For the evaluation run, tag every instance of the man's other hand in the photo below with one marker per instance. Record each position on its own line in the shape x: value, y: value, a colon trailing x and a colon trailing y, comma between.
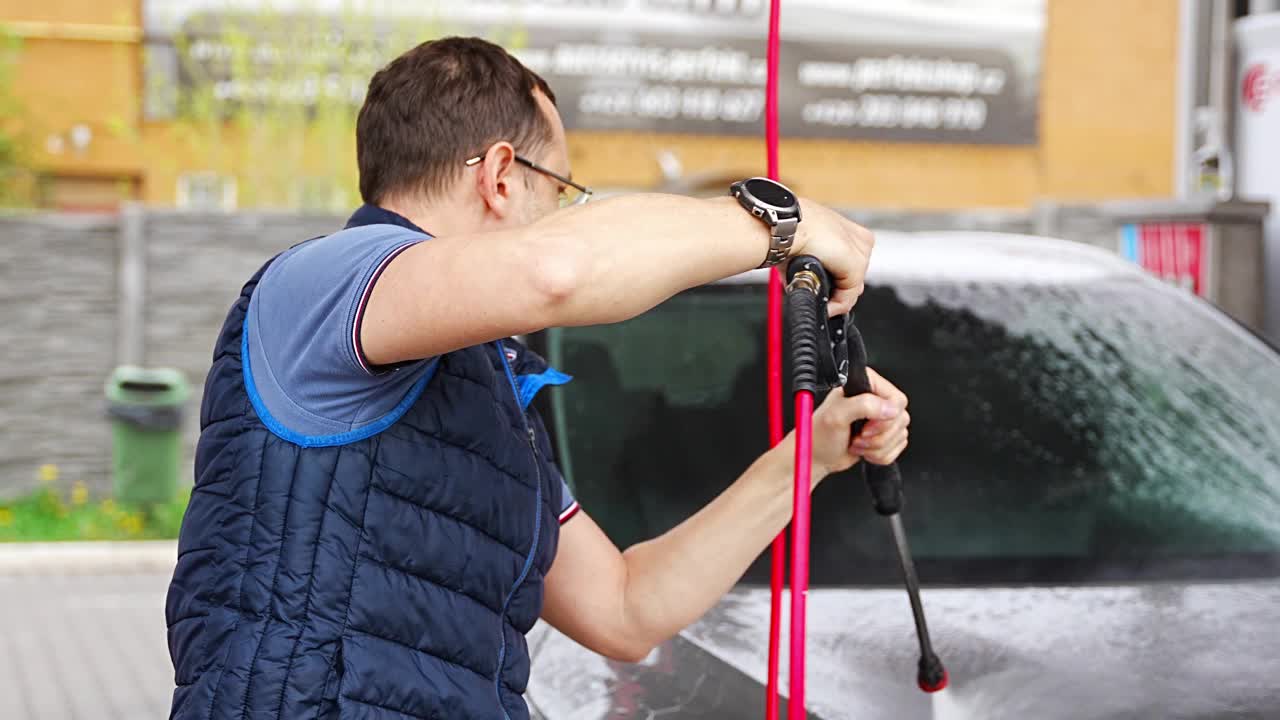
x: 843, y: 247
x: 882, y: 439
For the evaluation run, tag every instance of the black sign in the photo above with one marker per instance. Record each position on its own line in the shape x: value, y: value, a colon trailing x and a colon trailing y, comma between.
x: 668, y: 84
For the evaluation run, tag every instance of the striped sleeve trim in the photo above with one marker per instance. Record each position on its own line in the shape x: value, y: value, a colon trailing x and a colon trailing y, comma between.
x: 364, y: 301
x: 569, y: 512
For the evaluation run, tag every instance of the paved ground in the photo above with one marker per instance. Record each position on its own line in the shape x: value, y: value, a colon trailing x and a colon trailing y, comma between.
x: 82, y: 633
x: 83, y: 646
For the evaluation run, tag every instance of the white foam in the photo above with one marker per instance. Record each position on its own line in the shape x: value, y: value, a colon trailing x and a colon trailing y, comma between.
x: 990, y: 257
x: 980, y: 257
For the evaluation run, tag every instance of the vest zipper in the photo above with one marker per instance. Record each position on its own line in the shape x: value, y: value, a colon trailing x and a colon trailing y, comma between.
x: 537, y: 532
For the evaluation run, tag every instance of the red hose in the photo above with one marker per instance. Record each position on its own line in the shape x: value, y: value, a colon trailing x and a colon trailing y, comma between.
x: 800, y: 551
x: 778, y: 553
x: 771, y: 90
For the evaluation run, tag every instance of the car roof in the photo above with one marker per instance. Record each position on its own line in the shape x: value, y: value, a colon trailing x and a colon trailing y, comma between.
x: 968, y: 256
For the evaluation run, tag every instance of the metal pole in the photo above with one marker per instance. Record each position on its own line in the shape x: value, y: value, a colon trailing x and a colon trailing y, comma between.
x: 1184, y: 128
x: 131, y: 284
x: 1221, y: 86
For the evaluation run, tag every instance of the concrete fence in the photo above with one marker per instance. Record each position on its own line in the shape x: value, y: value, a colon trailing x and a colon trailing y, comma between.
x: 81, y: 294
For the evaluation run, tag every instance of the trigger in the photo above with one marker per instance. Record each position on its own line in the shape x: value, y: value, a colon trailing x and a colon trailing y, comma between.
x: 839, y: 347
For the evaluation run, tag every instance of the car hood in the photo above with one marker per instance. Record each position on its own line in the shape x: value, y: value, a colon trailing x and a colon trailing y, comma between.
x: 1103, y: 652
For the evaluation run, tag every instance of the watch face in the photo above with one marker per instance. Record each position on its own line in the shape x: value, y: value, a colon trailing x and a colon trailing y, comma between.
x: 771, y: 193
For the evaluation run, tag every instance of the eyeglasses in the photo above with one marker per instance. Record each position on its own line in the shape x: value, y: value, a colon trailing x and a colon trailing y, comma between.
x: 579, y: 195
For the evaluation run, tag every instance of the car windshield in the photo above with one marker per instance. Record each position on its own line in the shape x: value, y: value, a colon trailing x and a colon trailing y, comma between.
x: 1106, y: 430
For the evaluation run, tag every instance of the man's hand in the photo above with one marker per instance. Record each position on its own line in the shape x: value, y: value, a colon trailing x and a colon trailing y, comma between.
x: 843, y: 246
x: 882, y: 439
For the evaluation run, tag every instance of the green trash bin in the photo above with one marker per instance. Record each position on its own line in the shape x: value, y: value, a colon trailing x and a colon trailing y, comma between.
x: 145, y: 407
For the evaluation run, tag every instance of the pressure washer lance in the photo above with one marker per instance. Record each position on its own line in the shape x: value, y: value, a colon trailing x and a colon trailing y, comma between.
x: 818, y: 364
x: 885, y: 482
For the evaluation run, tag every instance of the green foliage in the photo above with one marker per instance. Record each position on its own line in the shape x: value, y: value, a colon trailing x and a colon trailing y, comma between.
x: 270, y: 98
x: 51, y: 514
x: 15, y: 178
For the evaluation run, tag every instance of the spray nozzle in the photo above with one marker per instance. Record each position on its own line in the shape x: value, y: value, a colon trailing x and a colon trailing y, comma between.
x: 932, y: 676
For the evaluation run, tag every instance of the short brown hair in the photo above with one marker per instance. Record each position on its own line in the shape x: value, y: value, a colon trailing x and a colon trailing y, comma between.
x: 438, y: 104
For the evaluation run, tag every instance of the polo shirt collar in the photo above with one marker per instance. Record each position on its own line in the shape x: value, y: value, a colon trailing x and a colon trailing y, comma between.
x: 369, y: 214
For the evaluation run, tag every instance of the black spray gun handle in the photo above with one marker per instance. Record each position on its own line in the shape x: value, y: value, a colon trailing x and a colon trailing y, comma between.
x: 884, y: 480
x: 808, y: 289
x: 826, y: 352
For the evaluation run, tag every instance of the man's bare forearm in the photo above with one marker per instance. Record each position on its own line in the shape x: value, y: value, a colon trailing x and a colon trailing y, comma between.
x: 675, y: 578
x: 599, y: 263
x: 622, y: 256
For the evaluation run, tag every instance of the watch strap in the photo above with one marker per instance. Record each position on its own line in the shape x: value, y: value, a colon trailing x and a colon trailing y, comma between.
x: 782, y: 238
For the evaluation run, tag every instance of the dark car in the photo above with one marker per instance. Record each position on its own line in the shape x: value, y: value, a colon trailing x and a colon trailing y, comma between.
x: 1093, y: 495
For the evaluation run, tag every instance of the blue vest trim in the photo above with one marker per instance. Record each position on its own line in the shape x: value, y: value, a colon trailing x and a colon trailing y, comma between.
x: 529, y: 385
x: 309, y: 441
x: 533, y: 549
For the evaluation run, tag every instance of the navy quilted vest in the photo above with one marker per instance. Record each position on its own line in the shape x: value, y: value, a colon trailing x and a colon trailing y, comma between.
x: 391, y: 577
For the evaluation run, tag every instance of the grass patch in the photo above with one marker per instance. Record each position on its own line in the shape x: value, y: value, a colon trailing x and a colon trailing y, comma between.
x: 51, y: 513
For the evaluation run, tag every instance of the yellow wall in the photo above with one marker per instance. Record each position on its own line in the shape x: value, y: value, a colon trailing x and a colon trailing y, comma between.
x: 80, y: 64
x: 92, y: 12
x: 863, y: 174
x: 1107, y: 120
x: 1108, y: 101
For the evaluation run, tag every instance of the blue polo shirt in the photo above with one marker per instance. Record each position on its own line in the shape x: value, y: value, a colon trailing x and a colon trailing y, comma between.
x: 304, y: 320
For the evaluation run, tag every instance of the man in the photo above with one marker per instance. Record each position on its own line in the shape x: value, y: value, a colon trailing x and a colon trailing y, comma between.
x: 376, y: 521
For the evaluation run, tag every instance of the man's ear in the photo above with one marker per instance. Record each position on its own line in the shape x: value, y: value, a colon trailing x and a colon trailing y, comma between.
x: 495, y: 176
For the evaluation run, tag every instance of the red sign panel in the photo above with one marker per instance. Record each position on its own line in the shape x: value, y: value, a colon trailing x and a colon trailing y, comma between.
x: 1175, y: 251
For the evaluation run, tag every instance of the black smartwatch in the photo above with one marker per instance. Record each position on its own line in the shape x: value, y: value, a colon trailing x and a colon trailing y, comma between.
x: 777, y: 207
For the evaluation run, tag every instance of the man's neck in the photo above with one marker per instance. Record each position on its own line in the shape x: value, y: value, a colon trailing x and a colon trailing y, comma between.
x: 438, y: 220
